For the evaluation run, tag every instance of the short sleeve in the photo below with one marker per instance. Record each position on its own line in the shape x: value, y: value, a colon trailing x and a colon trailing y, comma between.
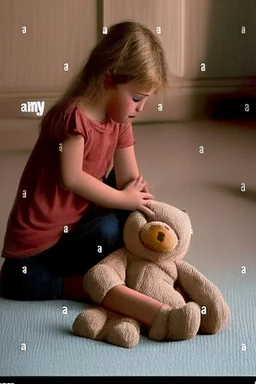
x: 125, y: 138
x: 73, y: 123
x: 63, y: 122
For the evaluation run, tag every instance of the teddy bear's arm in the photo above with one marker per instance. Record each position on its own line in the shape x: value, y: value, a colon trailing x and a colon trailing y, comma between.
x: 195, y: 284
x: 105, y: 275
x: 216, y: 312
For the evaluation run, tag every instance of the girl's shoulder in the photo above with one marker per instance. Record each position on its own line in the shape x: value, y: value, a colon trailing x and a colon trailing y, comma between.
x: 66, y: 108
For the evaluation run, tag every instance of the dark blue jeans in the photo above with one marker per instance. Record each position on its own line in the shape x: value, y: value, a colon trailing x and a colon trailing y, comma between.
x: 92, y: 239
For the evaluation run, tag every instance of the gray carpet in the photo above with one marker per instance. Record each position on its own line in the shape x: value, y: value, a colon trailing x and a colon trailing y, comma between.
x: 208, y: 186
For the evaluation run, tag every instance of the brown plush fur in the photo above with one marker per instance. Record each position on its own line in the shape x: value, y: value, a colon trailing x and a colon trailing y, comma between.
x: 152, y: 263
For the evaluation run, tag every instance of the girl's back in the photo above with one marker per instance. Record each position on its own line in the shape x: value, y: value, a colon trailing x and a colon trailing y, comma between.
x: 43, y: 208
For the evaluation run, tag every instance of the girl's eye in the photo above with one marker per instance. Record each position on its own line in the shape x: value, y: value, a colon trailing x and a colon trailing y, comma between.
x: 136, y: 100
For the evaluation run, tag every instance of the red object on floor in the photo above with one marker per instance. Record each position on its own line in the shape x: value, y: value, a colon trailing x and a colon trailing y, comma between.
x: 72, y: 288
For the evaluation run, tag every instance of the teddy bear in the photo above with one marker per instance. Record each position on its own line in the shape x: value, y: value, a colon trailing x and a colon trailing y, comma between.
x: 151, y: 262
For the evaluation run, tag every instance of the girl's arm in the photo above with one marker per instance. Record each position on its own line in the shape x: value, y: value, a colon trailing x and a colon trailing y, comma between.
x: 74, y: 179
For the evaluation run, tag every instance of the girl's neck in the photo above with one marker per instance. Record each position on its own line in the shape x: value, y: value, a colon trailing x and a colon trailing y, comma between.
x: 92, y: 112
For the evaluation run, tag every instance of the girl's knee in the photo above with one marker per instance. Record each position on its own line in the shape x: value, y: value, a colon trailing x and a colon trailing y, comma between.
x: 111, y: 231
x: 10, y: 281
x: 26, y: 281
x: 110, y: 228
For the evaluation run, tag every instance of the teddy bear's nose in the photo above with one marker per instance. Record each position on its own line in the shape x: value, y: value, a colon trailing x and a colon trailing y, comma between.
x: 160, y: 236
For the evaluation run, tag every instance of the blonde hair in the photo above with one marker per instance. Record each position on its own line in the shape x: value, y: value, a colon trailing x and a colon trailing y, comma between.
x: 130, y: 52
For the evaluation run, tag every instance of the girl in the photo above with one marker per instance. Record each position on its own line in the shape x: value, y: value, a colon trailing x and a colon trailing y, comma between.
x: 65, y: 207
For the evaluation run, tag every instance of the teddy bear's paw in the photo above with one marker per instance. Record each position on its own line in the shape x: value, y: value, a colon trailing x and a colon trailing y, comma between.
x: 184, y: 322
x: 90, y: 323
x: 123, y: 332
x: 215, y: 318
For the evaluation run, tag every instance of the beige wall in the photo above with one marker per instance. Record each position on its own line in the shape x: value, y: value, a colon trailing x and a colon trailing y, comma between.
x: 63, y: 31
x: 58, y: 31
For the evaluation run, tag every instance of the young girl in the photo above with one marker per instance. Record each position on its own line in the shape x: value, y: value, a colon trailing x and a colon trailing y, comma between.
x: 65, y: 207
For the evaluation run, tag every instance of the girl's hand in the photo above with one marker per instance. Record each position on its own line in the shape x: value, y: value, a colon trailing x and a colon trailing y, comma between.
x: 133, y: 197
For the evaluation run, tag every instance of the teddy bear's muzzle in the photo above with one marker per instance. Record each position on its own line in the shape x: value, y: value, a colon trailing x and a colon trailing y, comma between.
x: 159, y: 238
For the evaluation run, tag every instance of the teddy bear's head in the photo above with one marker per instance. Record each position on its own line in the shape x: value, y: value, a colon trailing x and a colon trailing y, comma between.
x: 164, y: 234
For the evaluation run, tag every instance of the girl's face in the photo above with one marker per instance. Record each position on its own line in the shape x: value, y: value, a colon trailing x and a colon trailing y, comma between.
x: 125, y: 102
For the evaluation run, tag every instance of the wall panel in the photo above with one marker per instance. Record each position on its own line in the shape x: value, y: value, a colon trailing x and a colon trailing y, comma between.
x: 58, y: 32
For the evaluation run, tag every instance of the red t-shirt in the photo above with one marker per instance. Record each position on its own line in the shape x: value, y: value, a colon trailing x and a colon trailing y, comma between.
x: 42, y: 208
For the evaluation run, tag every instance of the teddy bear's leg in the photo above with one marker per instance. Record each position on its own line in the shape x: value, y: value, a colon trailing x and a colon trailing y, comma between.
x: 176, y: 324
x: 90, y: 322
x: 215, y: 316
x: 123, y: 331
x: 97, y: 323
